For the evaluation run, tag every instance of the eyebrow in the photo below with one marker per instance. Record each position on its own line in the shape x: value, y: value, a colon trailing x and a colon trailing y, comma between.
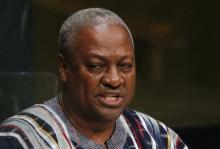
x: 99, y: 56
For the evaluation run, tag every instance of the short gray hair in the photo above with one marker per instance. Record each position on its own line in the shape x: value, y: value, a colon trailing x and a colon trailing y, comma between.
x: 83, y: 18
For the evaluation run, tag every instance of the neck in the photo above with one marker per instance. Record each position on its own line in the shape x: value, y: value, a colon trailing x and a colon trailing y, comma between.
x: 95, y: 131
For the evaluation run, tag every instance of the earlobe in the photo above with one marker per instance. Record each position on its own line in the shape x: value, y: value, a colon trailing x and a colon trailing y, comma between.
x: 62, y: 68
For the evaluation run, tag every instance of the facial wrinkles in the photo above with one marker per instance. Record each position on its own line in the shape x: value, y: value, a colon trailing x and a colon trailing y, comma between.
x: 108, y: 47
x: 89, y: 100
x: 113, y: 37
x: 104, y: 39
x: 112, y: 48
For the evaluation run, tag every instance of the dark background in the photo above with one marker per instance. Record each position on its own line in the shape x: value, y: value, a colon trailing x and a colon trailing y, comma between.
x: 177, y: 54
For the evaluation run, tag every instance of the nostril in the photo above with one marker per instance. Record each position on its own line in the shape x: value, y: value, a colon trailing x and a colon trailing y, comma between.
x: 112, y: 78
x: 112, y: 83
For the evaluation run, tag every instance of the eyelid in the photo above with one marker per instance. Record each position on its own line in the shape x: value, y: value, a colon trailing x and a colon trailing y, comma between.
x: 96, y: 67
x: 126, y: 66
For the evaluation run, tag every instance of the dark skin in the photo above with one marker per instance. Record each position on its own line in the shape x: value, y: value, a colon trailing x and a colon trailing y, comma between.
x: 98, y: 79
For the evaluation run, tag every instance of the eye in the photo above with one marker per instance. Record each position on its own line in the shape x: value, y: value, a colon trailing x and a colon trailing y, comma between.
x: 126, y: 67
x: 96, y: 67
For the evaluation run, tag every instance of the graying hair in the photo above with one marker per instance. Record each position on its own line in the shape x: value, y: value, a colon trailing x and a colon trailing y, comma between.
x: 83, y: 18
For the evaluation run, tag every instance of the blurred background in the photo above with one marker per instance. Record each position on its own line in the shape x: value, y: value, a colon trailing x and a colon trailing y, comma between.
x: 177, y: 54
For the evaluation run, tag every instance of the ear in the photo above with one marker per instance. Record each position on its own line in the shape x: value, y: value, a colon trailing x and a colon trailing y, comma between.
x: 62, y: 68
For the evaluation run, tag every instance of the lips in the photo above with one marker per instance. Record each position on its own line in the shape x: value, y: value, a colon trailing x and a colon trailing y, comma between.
x: 110, y: 100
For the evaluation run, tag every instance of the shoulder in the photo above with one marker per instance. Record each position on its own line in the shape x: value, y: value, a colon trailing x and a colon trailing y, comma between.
x: 11, y: 140
x: 14, y: 131
x: 26, y: 129
x: 150, y: 128
x: 12, y: 136
x: 39, y: 126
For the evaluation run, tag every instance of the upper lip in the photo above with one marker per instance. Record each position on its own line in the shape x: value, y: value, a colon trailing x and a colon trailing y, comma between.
x: 111, y: 94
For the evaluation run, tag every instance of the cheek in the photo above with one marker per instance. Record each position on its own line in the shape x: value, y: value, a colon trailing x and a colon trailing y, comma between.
x: 91, y: 83
x: 131, y: 77
x: 131, y: 82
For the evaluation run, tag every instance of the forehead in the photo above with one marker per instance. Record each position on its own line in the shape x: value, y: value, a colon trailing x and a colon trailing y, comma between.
x: 104, y: 38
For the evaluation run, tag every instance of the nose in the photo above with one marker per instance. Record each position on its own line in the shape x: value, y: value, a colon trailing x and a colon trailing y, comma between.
x: 112, y: 78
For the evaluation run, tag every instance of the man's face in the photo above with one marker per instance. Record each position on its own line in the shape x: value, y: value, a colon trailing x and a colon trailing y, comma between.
x: 100, y: 77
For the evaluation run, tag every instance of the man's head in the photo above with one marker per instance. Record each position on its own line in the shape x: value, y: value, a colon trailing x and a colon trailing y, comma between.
x: 86, y: 17
x: 97, y: 65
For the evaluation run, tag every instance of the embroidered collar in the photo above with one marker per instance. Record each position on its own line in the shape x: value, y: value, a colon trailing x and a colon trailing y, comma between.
x: 117, y: 140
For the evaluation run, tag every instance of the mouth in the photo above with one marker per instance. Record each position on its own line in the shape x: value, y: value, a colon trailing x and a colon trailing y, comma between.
x: 112, y: 101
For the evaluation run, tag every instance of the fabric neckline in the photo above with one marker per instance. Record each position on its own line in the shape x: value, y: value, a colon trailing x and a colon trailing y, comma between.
x: 117, y: 139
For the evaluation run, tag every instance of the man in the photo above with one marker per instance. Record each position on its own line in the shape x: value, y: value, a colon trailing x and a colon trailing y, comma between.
x: 97, y: 71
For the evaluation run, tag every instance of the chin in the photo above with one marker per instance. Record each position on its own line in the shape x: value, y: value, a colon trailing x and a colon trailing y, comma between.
x: 110, y: 115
